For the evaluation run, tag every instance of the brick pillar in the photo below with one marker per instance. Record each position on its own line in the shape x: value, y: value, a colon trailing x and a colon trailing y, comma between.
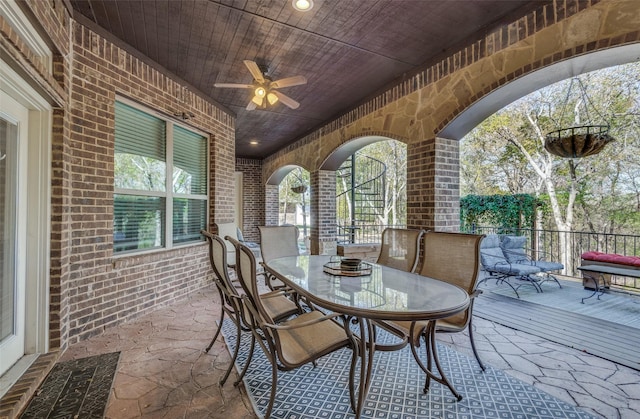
x: 433, y: 185
x: 323, y: 212
x: 271, y: 205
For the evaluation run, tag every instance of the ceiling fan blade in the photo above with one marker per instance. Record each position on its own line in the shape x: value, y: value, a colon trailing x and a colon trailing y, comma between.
x: 255, y: 71
x: 289, y: 81
x: 286, y: 99
x: 233, y: 85
x: 251, y: 106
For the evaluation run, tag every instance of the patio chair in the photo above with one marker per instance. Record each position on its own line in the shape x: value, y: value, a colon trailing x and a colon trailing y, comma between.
x: 453, y: 258
x: 223, y: 230
x: 514, y: 249
x: 495, y: 263
x: 279, y: 306
x: 276, y: 242
x: 291, y: 344
x: 400, y: 248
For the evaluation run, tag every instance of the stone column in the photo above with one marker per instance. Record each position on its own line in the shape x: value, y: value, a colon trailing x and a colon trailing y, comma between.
x: 323, y: 212
x: 433, y: 185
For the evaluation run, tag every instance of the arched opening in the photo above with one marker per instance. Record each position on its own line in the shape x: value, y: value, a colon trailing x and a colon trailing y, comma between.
x: 294, y: 200
x: 370, y: 188
x: 589, y: 203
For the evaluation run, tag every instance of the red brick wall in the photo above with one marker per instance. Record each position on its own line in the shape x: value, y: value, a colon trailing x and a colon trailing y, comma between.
x: 96, y: 289
x: 253, y: 197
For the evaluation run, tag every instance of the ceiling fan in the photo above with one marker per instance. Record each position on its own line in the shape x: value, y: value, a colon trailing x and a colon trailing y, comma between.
x: 264, y: 89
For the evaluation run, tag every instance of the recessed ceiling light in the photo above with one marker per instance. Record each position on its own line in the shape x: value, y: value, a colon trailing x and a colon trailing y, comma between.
x: 302, y: 5
x: 253, y: 142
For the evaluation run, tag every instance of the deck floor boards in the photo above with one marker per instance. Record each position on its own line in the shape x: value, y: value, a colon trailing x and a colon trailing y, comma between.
x: 606, y: 339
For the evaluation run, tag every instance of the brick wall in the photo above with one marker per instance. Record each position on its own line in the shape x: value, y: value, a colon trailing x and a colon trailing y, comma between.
x: 253, y: 214
x: 447, y: 184
x: 92, y: 290
x: 89, y: 288
x: 323, y: 212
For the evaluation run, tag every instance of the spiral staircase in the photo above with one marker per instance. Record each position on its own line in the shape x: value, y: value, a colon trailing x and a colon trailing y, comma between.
x: 360, y: 197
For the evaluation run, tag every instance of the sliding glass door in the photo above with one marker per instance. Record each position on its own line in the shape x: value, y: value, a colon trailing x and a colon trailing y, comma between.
x: 13, y: 149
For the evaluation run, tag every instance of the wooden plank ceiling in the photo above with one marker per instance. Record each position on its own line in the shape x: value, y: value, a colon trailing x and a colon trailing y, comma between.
x: 348, y: 50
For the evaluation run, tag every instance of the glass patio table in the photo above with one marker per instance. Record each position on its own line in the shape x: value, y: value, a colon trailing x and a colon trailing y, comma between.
x: 380, y: 293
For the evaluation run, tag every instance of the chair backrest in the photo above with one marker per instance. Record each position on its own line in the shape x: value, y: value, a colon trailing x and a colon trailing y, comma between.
x: 514, y: 248
x: 278, y: 241
x: 224, y: 230
x: 453, y: 258
x: 246, y: 270
x: 400, y: 248
x: 491, y: 253
x: 218, y: 260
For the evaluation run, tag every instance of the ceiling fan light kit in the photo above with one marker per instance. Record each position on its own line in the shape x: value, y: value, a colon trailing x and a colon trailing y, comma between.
x: 263, y: 87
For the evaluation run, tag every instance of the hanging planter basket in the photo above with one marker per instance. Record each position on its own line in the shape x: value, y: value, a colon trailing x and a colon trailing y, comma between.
x: 299, y: 189
x: 575, y: 142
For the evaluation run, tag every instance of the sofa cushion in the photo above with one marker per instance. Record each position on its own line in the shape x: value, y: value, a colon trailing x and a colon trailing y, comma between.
x: 611, y: 258
x: 490, y: 241
x: 490, y: 251
x: 513, y: 247
x: 516, y: 269
x: 546, y: 266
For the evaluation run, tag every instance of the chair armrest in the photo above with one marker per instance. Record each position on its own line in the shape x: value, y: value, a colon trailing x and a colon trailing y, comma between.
x: 302, y: 324
x: 475, y: 293
x: 523, y: 259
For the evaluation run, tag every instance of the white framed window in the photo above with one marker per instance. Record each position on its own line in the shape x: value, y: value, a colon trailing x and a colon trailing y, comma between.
x: 160, y: 181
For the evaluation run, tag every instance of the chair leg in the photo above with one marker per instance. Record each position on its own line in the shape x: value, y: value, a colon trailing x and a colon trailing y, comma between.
x: 352, y: 376
x: 430, y: 338
x: 473, y: 345
x: 236, y: 350
x: 551, y: 277
x: 274, y: 386
x: 215, y: 336
x: 249, y: 358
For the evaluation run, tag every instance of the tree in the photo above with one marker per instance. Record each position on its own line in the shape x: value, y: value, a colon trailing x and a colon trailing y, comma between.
x: 294, y: 192
x: 506, y: 154
x: 394, y: 156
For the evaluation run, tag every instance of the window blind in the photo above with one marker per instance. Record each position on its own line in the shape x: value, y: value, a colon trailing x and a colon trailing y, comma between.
x: 139, y: 133
x: 189, y: 161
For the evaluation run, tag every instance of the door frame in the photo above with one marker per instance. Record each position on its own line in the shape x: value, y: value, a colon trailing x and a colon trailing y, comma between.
x: 38, y: 209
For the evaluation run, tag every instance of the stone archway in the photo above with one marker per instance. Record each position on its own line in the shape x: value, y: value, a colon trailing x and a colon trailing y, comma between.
x: 433, y: 109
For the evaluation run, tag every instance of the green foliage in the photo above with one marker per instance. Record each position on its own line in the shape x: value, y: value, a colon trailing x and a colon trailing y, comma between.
x: 506, y: 211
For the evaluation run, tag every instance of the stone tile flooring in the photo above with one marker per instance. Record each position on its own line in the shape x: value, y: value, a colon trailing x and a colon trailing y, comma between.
x: 164, y: 373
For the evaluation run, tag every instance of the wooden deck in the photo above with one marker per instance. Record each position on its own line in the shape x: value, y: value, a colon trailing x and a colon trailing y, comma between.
x: 601, y: 337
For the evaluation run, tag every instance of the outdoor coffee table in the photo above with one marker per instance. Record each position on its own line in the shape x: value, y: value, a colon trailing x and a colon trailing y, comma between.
x: 383, y: 293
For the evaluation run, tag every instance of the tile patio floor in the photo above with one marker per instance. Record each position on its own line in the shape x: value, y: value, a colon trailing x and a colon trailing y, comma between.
x: 164, y: 372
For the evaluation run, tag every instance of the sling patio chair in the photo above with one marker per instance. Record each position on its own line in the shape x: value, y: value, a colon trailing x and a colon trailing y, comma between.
x: 291, y: 344
x: 453, y: 258
x: 276, y: 242
x: 514, y: 249
x: 276, y: 303
x: 400, y: 248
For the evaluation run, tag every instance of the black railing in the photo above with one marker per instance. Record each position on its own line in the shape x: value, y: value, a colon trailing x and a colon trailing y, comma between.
x: 362, y: 233
x: 565, y: 247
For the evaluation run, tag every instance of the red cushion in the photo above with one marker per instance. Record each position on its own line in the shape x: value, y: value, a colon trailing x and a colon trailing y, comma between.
x: 612, y: 258
x: 628, y: 260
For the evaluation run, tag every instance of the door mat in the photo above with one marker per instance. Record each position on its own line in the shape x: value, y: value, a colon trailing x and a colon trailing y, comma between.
x: 75, y: 389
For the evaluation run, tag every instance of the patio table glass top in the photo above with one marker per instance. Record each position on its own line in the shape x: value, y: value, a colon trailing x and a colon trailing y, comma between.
x: 384, y: 293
